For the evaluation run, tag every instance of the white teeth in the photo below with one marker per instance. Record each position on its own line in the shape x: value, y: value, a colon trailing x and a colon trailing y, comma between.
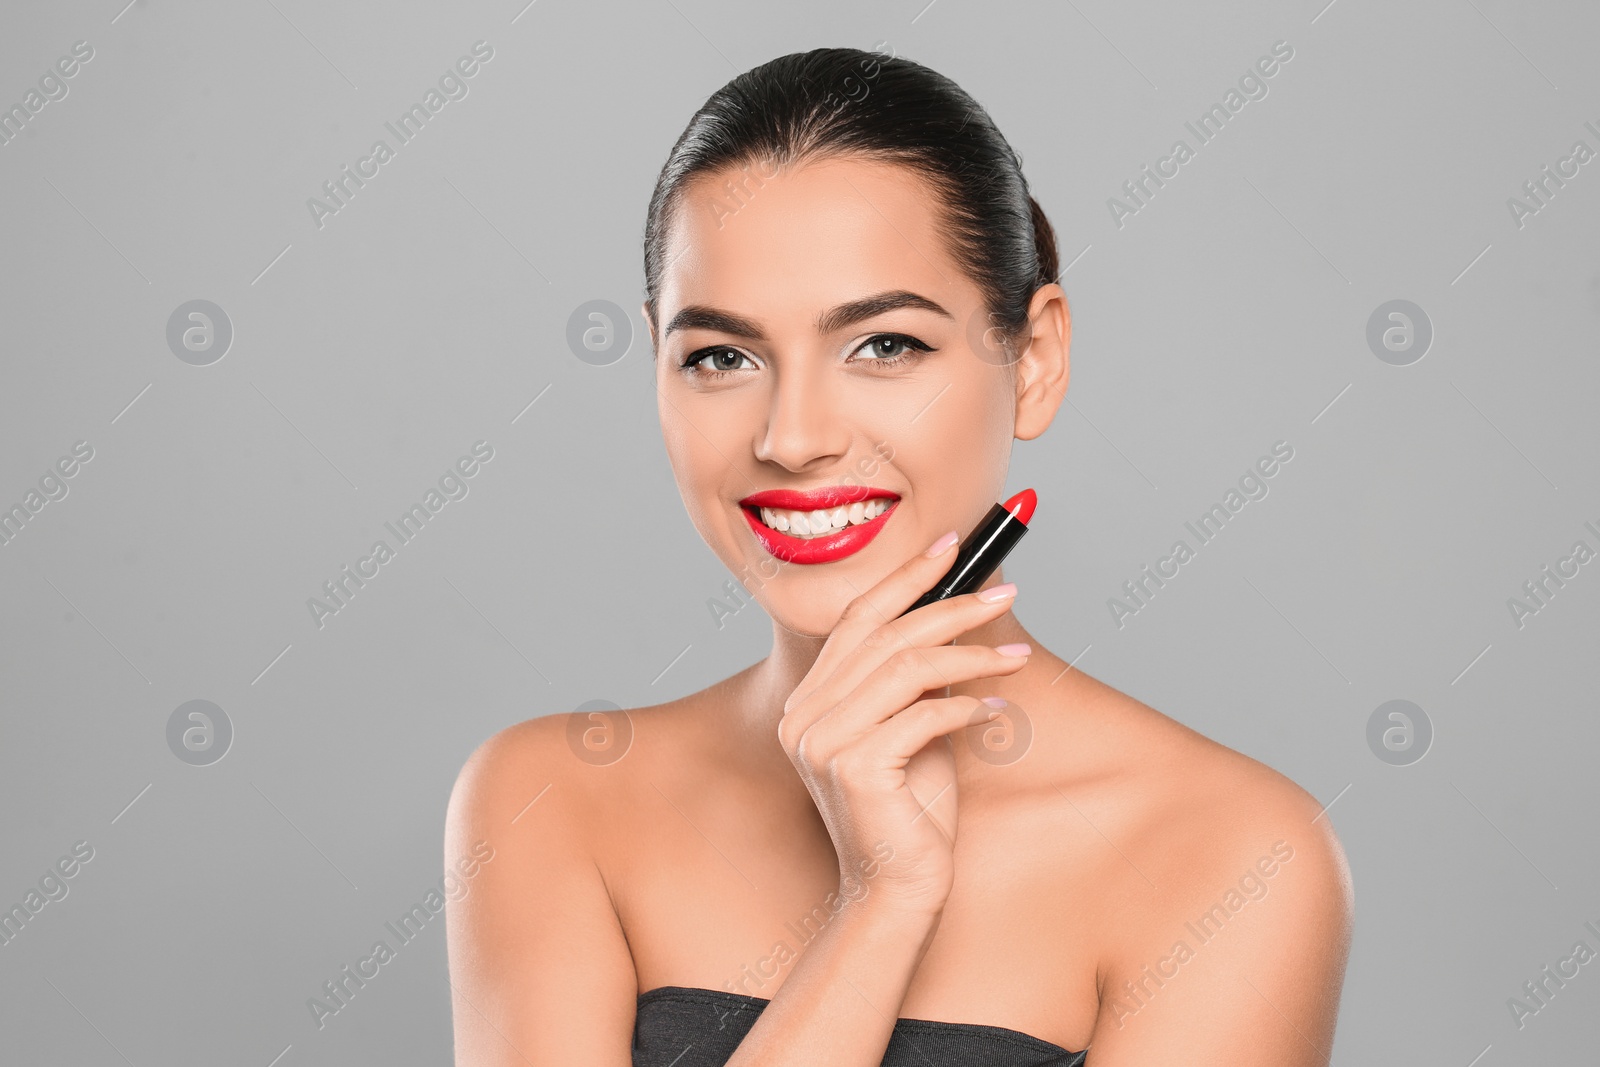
x: 823, y: 521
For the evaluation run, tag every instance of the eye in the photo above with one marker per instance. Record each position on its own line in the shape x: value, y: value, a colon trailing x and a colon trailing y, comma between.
x: 722, y: 359
x: 888, y: 349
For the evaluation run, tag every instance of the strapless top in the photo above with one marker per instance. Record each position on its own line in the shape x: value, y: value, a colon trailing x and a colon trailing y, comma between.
x: 680, y: 1026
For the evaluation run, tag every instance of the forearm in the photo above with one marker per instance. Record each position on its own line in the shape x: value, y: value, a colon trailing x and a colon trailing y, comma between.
x: 840, y: 1003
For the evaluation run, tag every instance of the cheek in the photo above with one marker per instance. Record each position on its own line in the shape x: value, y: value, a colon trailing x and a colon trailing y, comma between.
x: 994, y: 418
x: 956, y: 454
x: 686, y: 450
x: 696, y: 455
x: 972, y: 419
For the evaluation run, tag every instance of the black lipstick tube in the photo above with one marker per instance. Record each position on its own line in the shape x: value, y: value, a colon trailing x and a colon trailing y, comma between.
x: 977, y: 558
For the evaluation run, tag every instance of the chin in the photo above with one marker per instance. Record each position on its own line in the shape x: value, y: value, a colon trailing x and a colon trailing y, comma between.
x: 803, y: 598
x: 809, y: 600
x: 809, y: 621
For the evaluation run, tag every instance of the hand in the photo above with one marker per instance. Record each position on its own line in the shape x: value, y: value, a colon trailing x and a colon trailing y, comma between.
x: 874, y: 755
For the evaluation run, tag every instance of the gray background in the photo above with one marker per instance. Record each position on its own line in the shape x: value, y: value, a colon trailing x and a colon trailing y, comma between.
x: 369, y: 354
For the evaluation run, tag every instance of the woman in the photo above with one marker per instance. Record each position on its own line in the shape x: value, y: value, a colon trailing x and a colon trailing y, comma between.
x: 823, y: 859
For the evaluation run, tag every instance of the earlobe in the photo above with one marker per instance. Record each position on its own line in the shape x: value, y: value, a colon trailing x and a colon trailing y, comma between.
x: 1043, y: 368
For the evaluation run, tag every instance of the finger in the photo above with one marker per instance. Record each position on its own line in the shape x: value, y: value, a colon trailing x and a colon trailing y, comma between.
x: 903, y: 679
x: 907, y: 733
x: 882, y: 603
x: 927, y: 627
x: 895, y: 592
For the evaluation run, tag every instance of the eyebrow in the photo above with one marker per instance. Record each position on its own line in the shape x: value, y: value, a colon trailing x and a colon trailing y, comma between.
x: 701, y: 317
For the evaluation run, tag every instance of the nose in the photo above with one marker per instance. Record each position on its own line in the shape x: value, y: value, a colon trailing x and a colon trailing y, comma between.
x: 806, y: 426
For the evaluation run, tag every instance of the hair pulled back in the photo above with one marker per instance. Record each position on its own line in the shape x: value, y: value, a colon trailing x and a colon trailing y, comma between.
x: 845, y: 101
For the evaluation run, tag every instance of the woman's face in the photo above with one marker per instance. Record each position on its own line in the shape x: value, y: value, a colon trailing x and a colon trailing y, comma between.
x: 794, y: 386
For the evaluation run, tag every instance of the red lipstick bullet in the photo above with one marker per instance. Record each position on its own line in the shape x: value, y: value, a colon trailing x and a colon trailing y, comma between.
x: 982, y: 552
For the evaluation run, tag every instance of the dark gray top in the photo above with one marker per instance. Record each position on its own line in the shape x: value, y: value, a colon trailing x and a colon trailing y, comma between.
x: 679, y: 1026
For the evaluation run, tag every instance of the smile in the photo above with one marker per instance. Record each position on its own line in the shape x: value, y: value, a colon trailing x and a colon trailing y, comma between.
x: 822, y: 522
x: 817, y: 525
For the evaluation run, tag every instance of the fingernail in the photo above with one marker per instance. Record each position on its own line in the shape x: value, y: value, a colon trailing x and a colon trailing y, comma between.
x: 1014, y: 650
x: 943, y: 545
x: 999, y: 592
x: 994, y: 702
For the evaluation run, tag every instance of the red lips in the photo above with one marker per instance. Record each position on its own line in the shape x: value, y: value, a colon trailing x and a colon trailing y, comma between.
x: 826, y: 549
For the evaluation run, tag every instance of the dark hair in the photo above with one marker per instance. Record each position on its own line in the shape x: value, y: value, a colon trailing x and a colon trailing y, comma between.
x: 843, y: 101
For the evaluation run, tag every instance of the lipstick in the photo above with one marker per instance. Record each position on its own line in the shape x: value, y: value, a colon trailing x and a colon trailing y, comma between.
x: 982, y: 552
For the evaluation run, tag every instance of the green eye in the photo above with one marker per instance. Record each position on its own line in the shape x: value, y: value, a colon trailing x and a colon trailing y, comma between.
x: 723, y: 360
x: 884, y: 349
x: 891, y: 348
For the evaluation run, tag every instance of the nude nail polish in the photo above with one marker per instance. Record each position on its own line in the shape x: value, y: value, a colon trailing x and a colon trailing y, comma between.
x: 943, y: 545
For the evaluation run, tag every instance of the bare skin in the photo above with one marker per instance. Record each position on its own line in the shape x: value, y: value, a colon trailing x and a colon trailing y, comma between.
x: 1035, y: 889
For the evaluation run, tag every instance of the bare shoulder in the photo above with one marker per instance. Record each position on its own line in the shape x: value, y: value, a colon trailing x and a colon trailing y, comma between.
x: 1229, y: 871
x: 1189, y: 795
x: 1213, y: 839
x: 535, y: 940
x: 516, y: 768
x: 573, y: 769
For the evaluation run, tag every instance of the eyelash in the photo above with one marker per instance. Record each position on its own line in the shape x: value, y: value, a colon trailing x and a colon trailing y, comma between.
x: 692, y: 362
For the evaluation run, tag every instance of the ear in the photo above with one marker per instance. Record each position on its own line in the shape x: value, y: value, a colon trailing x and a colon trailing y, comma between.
x: 1043, y: 368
